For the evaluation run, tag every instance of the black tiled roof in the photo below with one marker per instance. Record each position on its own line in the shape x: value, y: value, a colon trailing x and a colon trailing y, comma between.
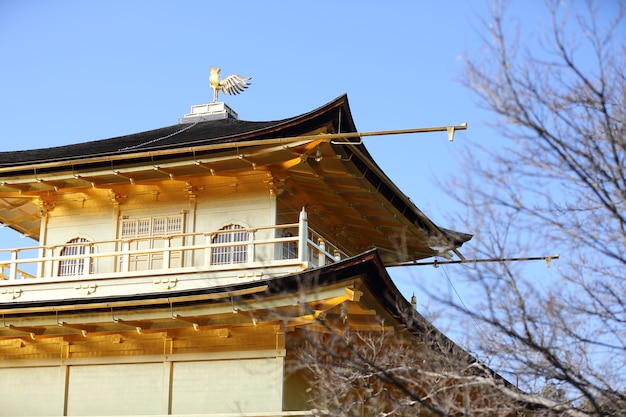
x: 206, y: 132
x: 180, y: 136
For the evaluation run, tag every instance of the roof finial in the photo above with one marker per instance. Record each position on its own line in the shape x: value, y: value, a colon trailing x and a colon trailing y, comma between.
x: 233, y: 84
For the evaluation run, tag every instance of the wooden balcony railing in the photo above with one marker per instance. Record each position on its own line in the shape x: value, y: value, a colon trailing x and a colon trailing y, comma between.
x: 266, y: 247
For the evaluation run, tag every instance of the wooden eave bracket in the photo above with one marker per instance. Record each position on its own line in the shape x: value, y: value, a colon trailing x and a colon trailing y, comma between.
x: 355, y: 295
x: 33, y: 332
x: 84, y: 329
x: 20, y: 188
x: 139, y: 326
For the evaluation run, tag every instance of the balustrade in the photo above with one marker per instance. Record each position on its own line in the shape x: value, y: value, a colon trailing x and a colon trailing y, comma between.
x: 265, y: 247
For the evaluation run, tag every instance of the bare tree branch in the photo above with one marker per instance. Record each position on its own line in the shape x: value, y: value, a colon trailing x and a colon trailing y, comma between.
x: 557, y: 181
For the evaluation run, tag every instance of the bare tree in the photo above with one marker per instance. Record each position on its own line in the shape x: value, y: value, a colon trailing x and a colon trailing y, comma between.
x: 382, y: 373
x: 385, y: 373
x: 557, y: 183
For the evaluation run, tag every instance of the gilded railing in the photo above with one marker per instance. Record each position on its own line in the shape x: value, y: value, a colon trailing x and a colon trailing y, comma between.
x: 264, y: 247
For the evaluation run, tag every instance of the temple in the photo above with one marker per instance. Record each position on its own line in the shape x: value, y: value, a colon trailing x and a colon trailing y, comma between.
x: 178, y: 270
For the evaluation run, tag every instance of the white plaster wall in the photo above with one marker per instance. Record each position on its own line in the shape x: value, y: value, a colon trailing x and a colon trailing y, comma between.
x: 122, y: 389
x: 227, y: 386
x: 251, y: 207
x: 200, y: 386
x: 32, y: 391
x: 92, y: 224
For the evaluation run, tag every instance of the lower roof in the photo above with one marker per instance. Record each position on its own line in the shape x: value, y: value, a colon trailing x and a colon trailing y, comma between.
x: 356, y: 292
x: 364, y: 275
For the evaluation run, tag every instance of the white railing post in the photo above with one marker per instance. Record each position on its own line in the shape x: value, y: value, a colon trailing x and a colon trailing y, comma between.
x: 126, y: 256
x: 207, y: 250
x: 51, y: 264
x: 303, y: 233
x: 322, y: 256
x: 41, y: 266
x: 89, y: 260
x: 251, y: 246
x: 13, y: 270
x: 166, y: 252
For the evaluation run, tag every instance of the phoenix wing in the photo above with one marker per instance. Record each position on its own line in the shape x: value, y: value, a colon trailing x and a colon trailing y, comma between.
x: 234, y: 84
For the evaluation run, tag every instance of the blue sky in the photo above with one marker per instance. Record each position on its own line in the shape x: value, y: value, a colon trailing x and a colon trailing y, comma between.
x: 75, y: 71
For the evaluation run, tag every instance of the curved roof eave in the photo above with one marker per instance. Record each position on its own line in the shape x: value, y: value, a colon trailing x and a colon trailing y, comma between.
x: 144, y: 146
x: 176, y: 136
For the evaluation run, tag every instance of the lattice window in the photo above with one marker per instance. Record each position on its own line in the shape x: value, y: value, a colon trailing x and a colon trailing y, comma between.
x: 290, y: 249
x: 129, y: 228
x: 175, y: 224
x: 72, y: 267
x: 143, y: 227
x: 237, y: 253
x: 150, y: 226
x: 159, y: 225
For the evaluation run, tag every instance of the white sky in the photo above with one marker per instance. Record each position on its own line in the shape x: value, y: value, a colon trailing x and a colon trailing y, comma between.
x: 75, y: 71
